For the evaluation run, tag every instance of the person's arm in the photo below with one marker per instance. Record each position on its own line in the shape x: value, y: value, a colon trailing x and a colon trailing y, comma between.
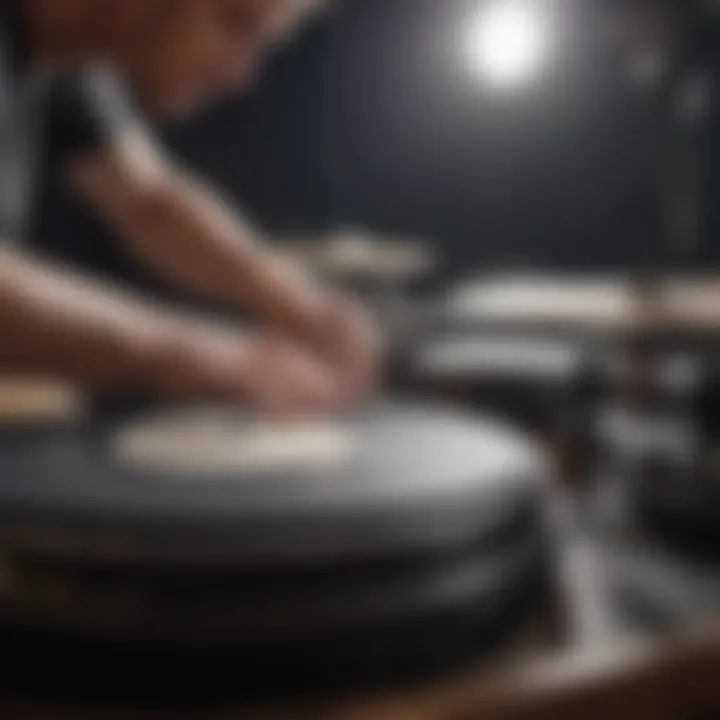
x: 57, y: 323
x: 179, y: 227
x: 51, y: 321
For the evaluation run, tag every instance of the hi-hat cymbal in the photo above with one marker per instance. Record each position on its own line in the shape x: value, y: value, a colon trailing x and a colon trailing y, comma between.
x: 365, y: 256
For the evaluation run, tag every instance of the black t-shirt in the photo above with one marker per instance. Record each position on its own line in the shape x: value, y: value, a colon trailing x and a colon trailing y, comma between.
x: 85, y: 112
x: 88, y: 111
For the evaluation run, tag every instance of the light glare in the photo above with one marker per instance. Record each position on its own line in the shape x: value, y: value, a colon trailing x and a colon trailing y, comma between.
x: 508, y: 42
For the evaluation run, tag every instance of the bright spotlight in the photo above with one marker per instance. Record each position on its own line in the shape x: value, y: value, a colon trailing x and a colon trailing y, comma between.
x: 508, y: 42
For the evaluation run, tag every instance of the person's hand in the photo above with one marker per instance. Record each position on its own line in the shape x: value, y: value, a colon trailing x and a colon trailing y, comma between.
x: 349, y: 342
x: 280, y: 377
x: 334, y: 327
x: 268, y: 374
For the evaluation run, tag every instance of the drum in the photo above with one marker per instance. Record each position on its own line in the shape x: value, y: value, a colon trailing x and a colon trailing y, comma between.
x: 551, y: 350
x: 419, y: 541
x: 523, y: 377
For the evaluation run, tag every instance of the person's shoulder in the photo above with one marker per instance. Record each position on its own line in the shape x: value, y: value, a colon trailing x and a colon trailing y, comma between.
x: 91, y: 81
x: 96, y: 90
x: 90, y: 111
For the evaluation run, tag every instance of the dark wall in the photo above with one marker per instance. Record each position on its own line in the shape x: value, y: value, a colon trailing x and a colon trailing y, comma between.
x: 372, y: 118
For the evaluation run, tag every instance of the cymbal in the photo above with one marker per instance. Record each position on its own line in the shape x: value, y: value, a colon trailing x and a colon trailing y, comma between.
x: 365, y: 256
x: 605, y: 304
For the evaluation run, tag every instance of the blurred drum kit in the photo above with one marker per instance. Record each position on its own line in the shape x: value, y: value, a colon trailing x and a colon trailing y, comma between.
x: 425, y: 554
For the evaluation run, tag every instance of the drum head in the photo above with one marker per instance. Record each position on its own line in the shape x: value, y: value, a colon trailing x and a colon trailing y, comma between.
x: 410, y: 479
x: 656, y: 581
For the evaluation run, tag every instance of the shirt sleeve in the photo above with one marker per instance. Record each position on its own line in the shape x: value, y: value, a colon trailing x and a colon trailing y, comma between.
x: 87, y: 114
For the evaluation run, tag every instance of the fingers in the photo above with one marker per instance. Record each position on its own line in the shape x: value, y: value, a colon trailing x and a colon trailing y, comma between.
x: 271, y: 375
x: 281, y: 379
x: 336, y: 329
x: 356, y: 351
x: 274, y: 374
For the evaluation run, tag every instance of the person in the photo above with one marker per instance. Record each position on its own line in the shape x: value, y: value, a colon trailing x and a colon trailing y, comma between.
x: 313, y: 349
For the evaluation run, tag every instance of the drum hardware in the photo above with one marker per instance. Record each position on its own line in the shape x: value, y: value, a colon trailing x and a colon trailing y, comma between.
x: 674, y: 490
x: 665, y: 429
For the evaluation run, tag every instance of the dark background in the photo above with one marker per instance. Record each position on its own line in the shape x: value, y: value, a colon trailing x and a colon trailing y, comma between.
x: 373, y: 119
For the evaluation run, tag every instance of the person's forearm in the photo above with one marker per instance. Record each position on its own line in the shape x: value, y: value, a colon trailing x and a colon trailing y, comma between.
x: 183, y: 232
x: 58, y: 323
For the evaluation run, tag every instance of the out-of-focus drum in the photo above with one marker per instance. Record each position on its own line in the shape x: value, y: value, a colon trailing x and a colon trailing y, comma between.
x: 420, y: 542
x: 591, y: 337
x: 549, y: 385
x: 524, y: 377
